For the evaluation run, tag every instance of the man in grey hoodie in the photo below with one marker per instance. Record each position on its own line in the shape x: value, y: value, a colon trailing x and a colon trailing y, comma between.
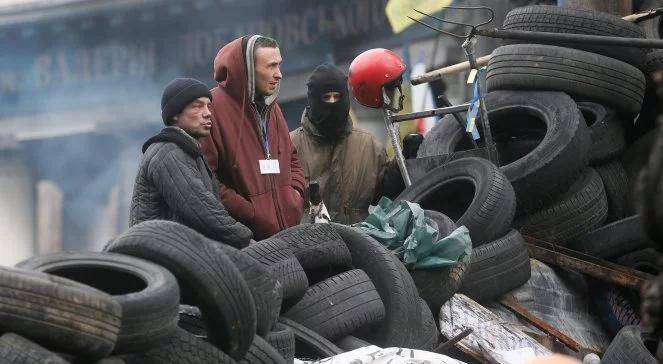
x: 174, y: 181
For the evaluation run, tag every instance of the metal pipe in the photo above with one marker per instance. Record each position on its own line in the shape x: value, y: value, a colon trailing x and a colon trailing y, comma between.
x: 429, y: 113
x: 395, y: 142
x: 571, y: 38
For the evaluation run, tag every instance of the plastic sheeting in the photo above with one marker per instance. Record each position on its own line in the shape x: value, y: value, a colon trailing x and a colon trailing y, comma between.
x: 401, y: 227
x: 492, y: 338
x: 375, y: 355
x: 559, y: 298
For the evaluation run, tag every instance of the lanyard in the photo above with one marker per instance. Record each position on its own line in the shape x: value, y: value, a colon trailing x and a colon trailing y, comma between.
x: 265, y: 136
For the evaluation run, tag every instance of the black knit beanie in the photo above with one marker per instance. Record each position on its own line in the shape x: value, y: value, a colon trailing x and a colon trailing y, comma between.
x: 178, y: 94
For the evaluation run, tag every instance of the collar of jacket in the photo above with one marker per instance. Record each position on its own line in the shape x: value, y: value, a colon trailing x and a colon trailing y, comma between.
x: 311, y: 129
x: 174, y: 134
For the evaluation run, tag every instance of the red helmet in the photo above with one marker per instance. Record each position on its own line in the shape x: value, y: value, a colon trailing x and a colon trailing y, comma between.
x: 372, y: 70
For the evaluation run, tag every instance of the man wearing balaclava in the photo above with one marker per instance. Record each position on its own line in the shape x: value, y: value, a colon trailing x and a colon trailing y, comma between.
x: 346, y: 161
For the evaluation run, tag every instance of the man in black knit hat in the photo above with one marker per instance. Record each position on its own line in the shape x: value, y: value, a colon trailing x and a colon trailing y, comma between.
x: 346, y: 161
x: 174, y: 181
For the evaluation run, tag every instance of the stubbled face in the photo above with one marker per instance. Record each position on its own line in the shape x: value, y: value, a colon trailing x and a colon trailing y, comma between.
x: 196, y: 118
x: 268, y: 70
x: 331, y: 97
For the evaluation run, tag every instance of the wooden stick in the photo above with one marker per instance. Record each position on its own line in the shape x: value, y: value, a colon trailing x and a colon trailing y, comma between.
x: 638, y: 17
x: 515, y: 307
x: 445, y: 346
x: 449, y: 70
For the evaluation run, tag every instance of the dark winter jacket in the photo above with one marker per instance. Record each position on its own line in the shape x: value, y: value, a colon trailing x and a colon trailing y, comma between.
x: 174, y: 183
x: 349, y: 169
x: 266, y: 203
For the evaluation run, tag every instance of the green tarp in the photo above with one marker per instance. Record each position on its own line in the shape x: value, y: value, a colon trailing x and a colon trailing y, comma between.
x: 401, y: 227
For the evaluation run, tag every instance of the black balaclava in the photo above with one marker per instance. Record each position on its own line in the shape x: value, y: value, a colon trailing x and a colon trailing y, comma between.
x: 330, y: 119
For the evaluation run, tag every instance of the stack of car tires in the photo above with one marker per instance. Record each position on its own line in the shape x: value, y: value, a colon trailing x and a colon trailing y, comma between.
x: 163, y: 293
x: 559, y: 116
x: 358, y: 291
x: 475, y: 193
x: 607, y: 85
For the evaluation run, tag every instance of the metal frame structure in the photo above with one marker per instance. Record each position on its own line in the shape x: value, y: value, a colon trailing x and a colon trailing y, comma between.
x: 468, y: 47
x: 390, y: 119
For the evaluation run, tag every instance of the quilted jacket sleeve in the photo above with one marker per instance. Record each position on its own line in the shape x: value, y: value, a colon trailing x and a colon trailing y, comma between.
x: 175, y: 175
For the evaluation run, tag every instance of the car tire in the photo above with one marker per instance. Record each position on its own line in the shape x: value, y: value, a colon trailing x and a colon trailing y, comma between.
x: 472, y: 192
x: 148, y: 293
x: 208, y: 279
x: 497, y: 268
x: 583, y: 75
x: 554, y: 19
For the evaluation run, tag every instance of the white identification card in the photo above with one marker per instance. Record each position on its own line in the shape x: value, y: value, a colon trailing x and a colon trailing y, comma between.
x: 269, y: 166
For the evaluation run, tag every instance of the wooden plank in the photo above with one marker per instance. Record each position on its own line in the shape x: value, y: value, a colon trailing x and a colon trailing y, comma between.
x: 586, y: 264
x: 584, y: 257
x: 512, y: 305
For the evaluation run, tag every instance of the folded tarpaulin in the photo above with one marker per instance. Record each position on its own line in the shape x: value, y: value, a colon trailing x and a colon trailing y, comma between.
x: 401, y: 227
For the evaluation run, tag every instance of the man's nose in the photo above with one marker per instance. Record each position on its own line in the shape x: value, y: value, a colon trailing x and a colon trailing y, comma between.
x: 207, y: 112
x: 278, y: 74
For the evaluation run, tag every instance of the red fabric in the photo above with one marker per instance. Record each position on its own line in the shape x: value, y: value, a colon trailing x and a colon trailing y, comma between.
x: 267, y: 204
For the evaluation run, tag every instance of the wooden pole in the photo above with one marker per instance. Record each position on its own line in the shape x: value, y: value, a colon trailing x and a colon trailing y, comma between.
x: 449, y: 70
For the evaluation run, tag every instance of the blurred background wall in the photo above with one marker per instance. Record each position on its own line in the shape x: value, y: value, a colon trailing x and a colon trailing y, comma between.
x: 80, y: 86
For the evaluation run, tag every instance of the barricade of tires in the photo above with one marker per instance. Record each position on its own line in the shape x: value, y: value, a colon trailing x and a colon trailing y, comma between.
x: 373, y: 297
x: 475, y: 193
x: 559, y: 116
x: 163, y: 293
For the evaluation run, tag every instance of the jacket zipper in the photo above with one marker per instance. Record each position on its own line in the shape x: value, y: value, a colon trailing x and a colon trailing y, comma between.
x: 277, y: 206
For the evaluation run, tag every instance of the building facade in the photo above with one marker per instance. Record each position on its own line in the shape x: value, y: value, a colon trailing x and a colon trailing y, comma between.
x: 80, y: 86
